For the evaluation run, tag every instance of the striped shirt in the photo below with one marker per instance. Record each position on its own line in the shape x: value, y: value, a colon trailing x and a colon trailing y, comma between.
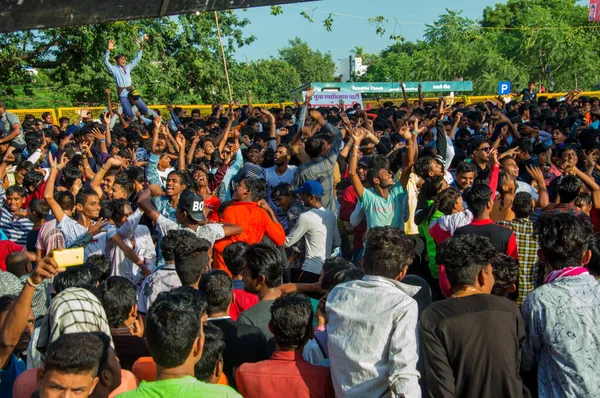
x: 527, y: 247
x: 15, y: 228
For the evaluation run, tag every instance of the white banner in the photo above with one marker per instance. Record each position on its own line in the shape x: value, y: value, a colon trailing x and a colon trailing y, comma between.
x: 333, y: 98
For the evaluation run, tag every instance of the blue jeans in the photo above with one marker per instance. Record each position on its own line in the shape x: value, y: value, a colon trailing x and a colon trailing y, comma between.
x: 127, y: 109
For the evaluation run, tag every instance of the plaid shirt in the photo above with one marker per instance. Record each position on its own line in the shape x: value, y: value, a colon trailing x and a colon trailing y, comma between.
x: 527, y: 246
x: 569, y: 208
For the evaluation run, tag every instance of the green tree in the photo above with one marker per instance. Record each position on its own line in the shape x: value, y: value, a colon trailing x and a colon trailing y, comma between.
x: 311, y: 65
x: 269, y: 80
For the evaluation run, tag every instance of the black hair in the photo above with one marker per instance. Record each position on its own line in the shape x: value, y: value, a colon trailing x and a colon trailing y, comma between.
x: 125, y: 184
x: 16, y: 190
x: 522, y: 205
x: 106, y: 341
x: 33, y: 179
x: 582, y: 198
x: 117, y: 207
x: 283, y: 189
x: 594, y: 246
x: 291, y: 320
x: 184, y: 178
x: 65, y: 200
x: 446, y: 200
x: 191, y: 256
x: 16, y: 263
x: 267, y: 261
x: 257, y: 187
x: 506, y: 274
x: 387, y: 252
x: 334, y: 262
x: 135, y: 174
x: 74, y: 353
x: 423, y: 166
x: 563, y: 238
x: 118, y: 298
x: 313, y: 147
x: 168, y: 245
x: 81, y: 276
x: 341, y: 274
x: 477, y: 197
x: 568, y: 188
x: 464, y: 167
x: 234, y: 257
x: 172, y: 326
x: 83, y: 195
x: 69, y: 175
x: 25, y: 165
x: 432, y: 186
x: 464, y: 256
x: 39, y: 207
x: 7, y: 301
x: 106, y: 208
x: 217, y: 287
x: 212, y: 353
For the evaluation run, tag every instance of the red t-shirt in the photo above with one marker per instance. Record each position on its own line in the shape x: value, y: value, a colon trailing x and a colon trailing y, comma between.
x: 241, y: 302
x: 213, y: 203
x: 7, y: 247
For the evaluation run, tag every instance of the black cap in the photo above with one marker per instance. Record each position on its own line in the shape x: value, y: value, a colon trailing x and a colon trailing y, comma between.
x: 193, y: 204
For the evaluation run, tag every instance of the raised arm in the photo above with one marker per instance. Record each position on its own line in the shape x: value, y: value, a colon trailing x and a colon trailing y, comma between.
x: 272, y: 128
x: 589, y: 183
x: 181, y: 142
x: 357, y: 136
x: 404, y: 95
x: 457, y: 118
x: 138, y: 56
x: 537, y: 176
x: 145, y: 202
x: 50, y: 185
x: 97, y: 180
x: 224, y: 135
x: 111, y: 68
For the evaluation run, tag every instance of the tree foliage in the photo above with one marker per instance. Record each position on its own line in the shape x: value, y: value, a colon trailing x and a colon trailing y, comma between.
x: 311, y: 65
x: 517, y: 41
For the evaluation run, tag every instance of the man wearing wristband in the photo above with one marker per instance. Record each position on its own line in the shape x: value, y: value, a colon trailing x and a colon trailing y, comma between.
x: 16, y: 324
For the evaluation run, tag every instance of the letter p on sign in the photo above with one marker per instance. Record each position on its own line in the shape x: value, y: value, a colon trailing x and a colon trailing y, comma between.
x: 503, y: 88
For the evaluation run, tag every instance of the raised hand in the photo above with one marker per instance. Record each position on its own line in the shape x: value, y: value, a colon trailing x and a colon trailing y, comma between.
x: 536, y: 174
x: 493, y: 157
x: 358, y: 134
x: 44, y: 269
x: 111, y: 45
x: 180, y: 140
x: 97, y: 227
x: 283, y: 132
x: 309, y: 94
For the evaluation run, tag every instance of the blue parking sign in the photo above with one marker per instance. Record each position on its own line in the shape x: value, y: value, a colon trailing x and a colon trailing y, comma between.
x: 503, y: 88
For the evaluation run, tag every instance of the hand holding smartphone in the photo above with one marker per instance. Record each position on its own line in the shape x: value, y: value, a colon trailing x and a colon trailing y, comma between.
x: 68, y: 257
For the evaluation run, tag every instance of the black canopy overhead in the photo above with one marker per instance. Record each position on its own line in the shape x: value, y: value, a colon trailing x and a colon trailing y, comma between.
x: 39, y: 14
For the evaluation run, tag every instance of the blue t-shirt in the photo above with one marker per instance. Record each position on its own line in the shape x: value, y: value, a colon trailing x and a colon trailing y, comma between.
x: 10, y: 374
x: 382, y: 212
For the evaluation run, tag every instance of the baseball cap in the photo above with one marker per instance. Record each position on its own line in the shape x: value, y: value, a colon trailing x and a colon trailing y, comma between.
x: 193, y: 204
x: 364, y: 161
x: 311, y: 188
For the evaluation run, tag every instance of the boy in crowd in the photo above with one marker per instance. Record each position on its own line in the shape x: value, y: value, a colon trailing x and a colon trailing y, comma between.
x: 234, y: 258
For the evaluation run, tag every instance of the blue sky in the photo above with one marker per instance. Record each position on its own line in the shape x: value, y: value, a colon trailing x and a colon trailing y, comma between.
x: 350, y: 27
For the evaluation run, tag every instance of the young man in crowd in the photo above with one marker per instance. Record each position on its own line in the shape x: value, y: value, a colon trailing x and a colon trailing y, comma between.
x: 234, y: 258
x: 175, y: 336
x: 13, y: 218
x: 287, y: 373
x: 251, y: 212
x: 482, y: 360
x: 262, y: 276
x: 388, y: 363
x: 243, y: 343
x: 318, y: 227
x: 561, y: 316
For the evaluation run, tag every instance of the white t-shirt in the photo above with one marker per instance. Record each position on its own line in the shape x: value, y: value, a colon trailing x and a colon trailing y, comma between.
x: 273, y: 179
x: 72, y: 230
x: 320, y: 231
x: 163, y: 175
x: 210, y: 232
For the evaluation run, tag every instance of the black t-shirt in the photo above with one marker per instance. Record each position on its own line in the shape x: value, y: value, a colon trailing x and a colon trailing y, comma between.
x: 32, y: 239
x: 472, y: 347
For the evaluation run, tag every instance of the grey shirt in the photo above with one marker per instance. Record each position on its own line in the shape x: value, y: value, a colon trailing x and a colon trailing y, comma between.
x: 7, y: 121
x: 259, y: 315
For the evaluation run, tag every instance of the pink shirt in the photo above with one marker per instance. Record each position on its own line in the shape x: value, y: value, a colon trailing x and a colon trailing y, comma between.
x: 50, y: 237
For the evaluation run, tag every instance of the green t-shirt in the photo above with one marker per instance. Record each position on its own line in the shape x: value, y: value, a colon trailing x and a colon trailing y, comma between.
x: 184, y: 387
x: 381, y: 212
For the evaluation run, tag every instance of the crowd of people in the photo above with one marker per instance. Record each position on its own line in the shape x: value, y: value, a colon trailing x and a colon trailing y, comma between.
x: 419, y: 249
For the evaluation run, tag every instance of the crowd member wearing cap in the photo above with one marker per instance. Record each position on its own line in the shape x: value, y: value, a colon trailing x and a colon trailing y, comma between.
x: 189, y: 215
x: 318, y: 227
x: 251, y: 212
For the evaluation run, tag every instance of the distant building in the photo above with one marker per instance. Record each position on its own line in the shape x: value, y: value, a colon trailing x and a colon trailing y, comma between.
x: 350, y: 68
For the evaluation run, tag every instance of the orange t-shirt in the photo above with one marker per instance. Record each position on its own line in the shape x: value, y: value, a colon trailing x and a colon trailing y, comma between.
x: 256, y: 223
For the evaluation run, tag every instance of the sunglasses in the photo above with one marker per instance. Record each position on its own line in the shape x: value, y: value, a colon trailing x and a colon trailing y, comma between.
x: 486, y: 149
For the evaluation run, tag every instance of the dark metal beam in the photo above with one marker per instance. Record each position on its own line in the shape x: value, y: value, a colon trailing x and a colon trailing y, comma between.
x: 38, y: 14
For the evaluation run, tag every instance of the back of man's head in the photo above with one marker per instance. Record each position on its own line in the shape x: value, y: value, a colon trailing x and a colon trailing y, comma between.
x: 81, y: 276
x: 172, y: 326
x: 563, y: 239
x: 217, y: 287
x: 388, y: 252
x: 265, y: 261
x: 118, y: 298
x: 291, y: 321
x: 568, y: 188
x: 233, y: 256
x: 522, y: 205
x: 212, y: 354
x: 464, y: 257
x: 191, y: 256
x: 477, y: 197
x: 17, y: 263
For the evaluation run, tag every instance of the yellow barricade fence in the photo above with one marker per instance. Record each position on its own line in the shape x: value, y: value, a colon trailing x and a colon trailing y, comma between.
x: 37, y: 113
x: 205, y: 110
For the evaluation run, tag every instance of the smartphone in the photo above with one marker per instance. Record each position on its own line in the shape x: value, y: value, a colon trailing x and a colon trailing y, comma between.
x: 68, y: 257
